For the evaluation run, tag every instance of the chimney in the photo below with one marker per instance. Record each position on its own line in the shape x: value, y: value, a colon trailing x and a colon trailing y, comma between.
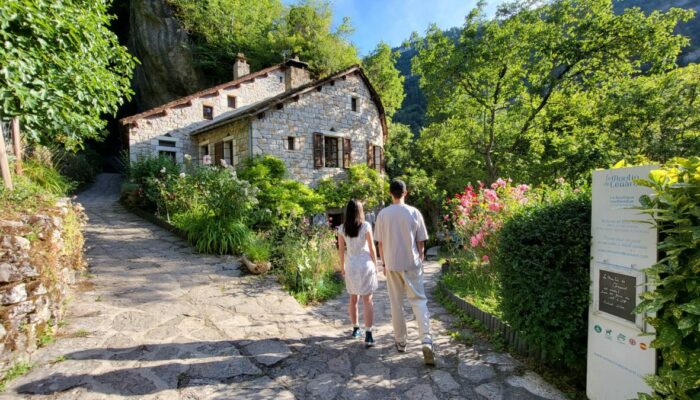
x: 296, y: 73
x: 240, y: 66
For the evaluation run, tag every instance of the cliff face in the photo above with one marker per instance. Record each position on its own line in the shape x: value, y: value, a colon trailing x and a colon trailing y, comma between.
x: 166, y: 70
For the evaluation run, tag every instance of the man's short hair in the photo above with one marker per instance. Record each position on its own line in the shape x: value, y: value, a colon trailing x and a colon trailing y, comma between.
x: 397, y: 188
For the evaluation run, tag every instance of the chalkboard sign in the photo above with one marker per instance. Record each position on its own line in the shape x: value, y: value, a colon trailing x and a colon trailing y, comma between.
x: 617, y: 294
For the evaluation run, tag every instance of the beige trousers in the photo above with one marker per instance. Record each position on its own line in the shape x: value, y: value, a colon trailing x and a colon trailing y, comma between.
x: 410, y: 285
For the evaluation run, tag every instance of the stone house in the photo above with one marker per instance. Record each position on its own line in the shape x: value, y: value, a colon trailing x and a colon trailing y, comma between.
x: 317, y: 127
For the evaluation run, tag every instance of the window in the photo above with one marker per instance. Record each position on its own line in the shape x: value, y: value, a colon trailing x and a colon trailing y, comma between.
x: 378, y: 158
x: 166, y: 143
x: 208, y: 112
x: 231, y: 101
x: 230, y: 152
x: 353, y: 104
x: 281, y: 79
x: 170, y: 154
x: 290, y: 143
x: 330, y: 145
x: 204, y: 150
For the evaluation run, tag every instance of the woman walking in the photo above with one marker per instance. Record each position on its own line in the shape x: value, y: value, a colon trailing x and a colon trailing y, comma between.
x: 358, y: 262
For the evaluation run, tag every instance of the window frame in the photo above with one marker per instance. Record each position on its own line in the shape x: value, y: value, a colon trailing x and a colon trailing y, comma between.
x: 355, y: 104
x: 291, y: 143
x: 231, y: 99
x: 205, y: 115
x: 330, y: 152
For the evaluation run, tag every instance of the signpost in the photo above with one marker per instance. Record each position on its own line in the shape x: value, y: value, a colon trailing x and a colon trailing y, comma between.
x: 619, y: 355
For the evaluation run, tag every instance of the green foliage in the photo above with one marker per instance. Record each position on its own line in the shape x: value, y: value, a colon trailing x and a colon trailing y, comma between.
x: 360, y: 182
x: 676, y: 279
x: 47, y: 178
x: 308, y: 259
x: 149, y: 166
x: 490, y: 95
x: 258, y: 249
x: 267, y: 32
x: 80, y: 167
x: 62, y: 69
x: 474, y: 281
x: 400, y: 149
x: 386, y: 79
x: 543, y: 262
x: 281, y: 201
x: 18, y: 369
x: 213, y: 235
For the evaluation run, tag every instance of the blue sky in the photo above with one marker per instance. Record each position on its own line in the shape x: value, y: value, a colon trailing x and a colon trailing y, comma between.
x: 393, y: 20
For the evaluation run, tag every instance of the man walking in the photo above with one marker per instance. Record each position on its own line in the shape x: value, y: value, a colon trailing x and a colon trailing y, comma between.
x: 401, y: 233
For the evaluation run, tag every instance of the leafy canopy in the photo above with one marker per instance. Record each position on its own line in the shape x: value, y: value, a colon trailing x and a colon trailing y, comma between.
x: 386, y: 79
x: 61, y: 68
x: 488, y: 95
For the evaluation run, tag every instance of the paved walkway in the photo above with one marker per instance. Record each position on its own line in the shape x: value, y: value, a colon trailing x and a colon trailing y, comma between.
x: 154, y: 320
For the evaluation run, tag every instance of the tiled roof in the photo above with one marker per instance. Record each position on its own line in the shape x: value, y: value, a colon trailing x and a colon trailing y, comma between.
x: 262, y: 106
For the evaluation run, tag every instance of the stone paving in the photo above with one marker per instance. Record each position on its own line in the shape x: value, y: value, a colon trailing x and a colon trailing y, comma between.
x: 154, y: 320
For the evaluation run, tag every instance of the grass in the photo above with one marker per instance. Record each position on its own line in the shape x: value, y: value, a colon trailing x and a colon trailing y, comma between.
x: 17, y: 370
x: 81, y: 333
x: 475, y: 282
x: 58, y: 359
x: 46, y: 338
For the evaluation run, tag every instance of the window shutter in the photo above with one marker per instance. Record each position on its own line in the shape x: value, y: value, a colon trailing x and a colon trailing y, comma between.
x: 347, y: 153
x: 318, y: 150
x: 381, y: 157
x: 218, y: 153
x: 370, y: 155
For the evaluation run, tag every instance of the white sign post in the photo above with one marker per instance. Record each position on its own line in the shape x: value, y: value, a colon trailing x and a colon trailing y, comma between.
x: 619, y: 355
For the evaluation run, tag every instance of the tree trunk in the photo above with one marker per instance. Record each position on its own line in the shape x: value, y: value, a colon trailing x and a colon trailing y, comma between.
x: 17, y: 143
x: 4, y: 165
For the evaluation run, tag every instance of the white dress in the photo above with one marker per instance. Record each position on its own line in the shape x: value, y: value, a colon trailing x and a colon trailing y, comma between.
x: 360, y: 271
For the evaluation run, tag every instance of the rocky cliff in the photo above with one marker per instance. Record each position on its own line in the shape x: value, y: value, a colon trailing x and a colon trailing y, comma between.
x: 166, y: 70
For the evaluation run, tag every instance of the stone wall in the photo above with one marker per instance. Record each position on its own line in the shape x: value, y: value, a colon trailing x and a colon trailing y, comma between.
x: 236, y: 134
x: 327, y: 111
x: 39, y: 257
x: 179, y: 121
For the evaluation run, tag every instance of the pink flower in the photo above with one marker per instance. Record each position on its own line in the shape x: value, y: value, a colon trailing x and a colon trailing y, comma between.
x: 490, y: 195
x: 485, y: 258
x: 473, y: 241
x: 446, y: 217
x: 461, y: 222
x: 494, y: 185
x: 500, y: 182
x: 494, y: 206
x: 481, y: 184
x: 523, y: 187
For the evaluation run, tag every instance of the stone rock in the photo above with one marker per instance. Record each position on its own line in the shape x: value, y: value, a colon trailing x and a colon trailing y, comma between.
x: 133, y: 321
x: 503, y: 361
x: 325, y: 386
x: 490, y: 391
x: 475, y: 371
x: 444, y: 381
x: 3, y: 332
x: 14, y: 294
x: 534, y: 384
x: 340, y: 364
x: 226, y: 368
x: 21, y: 242
x: 356, y: 393
x: 9, y: 273
x: 420, y: 392
x: 268, y: 352
x: 10, y: 224
x: 28, y: 271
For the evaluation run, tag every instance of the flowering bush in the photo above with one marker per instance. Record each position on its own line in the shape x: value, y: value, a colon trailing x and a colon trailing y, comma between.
x: 477, y: 214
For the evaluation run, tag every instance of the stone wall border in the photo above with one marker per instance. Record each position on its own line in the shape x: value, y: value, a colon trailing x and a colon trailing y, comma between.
x: 491, y: 323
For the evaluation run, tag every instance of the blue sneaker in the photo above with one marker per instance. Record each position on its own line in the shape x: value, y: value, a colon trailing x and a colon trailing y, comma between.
x: 356, y: 332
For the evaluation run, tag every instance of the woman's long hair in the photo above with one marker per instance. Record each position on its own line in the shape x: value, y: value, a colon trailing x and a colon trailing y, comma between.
x: 354, y: 218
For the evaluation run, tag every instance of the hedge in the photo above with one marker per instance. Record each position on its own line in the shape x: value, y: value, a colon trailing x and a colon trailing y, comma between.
x: 543, y: 259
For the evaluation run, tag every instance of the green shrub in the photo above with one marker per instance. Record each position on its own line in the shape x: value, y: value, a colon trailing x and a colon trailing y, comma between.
x: 258, y: 249
x: 46, y: 177
x: 543, y: 260
x: 675, y: 207
x: 475, y: 281
x: 213, y: 235
x: 308, y: 258
x: 282, y: 202
x: 360, y: 182
x: 80, y: 167
x: 149, y: 166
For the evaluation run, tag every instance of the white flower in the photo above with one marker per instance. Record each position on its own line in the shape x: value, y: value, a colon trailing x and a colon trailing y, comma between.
x: 188, y: 157
x: 162, y: 170
x: 182, y: 174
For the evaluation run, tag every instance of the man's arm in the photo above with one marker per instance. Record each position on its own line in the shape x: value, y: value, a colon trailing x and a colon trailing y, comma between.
x: 381, y: 255
x: 421, y: 249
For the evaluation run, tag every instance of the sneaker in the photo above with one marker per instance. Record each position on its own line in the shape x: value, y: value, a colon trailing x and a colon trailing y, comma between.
x: 428, y: 353
x: 356, y: 332
x: 401, y: 347
x: 369, y: 341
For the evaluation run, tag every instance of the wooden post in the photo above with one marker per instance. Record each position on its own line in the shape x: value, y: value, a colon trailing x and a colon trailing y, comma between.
x: 4, y: 165
x: 17, y: 143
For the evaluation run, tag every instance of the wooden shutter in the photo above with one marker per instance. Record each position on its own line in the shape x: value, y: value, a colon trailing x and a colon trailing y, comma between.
x: 347, y: 153
x: 318, y: 150
x: 381, y: 157
x: 218, y: 153
x: 370, y: 155
x: 230, y: 152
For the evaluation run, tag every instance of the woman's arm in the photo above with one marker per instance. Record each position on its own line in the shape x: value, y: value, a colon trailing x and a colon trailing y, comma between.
x: 370, y: 243
x: 341, y: 253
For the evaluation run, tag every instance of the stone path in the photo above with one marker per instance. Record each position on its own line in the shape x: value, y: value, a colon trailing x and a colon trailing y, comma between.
x: 154, y: 320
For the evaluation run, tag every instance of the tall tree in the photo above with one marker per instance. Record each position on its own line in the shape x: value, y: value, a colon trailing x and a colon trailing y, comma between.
x: 61, y: 69
x: 489, y: 92
x: 380, y: 66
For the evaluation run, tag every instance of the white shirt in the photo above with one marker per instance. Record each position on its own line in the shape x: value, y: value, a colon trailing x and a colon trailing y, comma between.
x: 398, y: 228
